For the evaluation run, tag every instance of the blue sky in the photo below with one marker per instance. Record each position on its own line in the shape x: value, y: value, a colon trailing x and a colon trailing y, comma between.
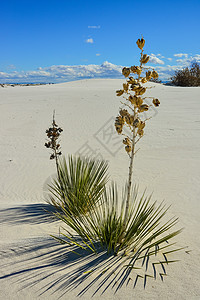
x: 41, y: 40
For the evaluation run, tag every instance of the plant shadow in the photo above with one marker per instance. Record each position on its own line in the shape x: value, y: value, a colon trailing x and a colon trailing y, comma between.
x: 30, y: 213
x: 56, y: 269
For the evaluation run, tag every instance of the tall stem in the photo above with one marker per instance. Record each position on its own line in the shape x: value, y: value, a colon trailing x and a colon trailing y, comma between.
x: 131, y: 165
x: 130, y: 177
x: 56, y: 157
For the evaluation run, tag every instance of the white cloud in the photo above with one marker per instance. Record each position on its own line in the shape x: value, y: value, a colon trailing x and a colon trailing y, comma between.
x: 196, y: 58
x: 155, y: 60
x: 63, y: 73
x: 169, y: 58
x: 94, y: 27
x: 181, y: 55
x: 98, y: 54
x: 90, y: 41
x: 187, y: 61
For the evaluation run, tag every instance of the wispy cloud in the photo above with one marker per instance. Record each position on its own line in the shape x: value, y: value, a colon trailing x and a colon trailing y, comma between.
x: 90, y: 41
x: 160, y: 55
x: 155, y: 60
x: 94, y: 27
x: 181, y: 55
x: 11, y: 67
x: 98, y: 54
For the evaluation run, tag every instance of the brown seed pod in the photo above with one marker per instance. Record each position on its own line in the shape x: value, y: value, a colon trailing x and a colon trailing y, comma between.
x: 135, y: 100
x: 131, y: 99
x: 140, y: 43
x: 119, y: 92
x: 133, y: 69
x: 118, y: 129
x: 136, y: 123
x: 128, y: 148
x: 139, y: 101
x: 139, y: 71
x: 132, y: 80
x: 47, y: 145
x: 123, y: 112
x: 128, y: 119
x: 143, y: 107
x: 125, y: 86
x: 141, y: 125
x: 148, y: 75
x: 136, y: 70
x: 126, y: 71
x: 140, y: 132
x: 135, y: 87
x: 140, y: 91
x: 156, y: 102
x: 119, y: 120
x: 155, y: 74
x: 143, y: 80
x: 145, y: 58
x: 127, y: 141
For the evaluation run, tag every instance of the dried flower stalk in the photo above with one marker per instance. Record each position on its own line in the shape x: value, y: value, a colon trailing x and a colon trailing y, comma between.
x: 53, y: 134
x: 133, y: 91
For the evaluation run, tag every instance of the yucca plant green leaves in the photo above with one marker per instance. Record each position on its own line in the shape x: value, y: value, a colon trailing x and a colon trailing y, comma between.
x: 80, y: 184
x: 147, y: 231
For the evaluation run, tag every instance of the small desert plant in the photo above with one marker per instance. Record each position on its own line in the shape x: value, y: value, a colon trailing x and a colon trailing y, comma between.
x: 80, y: 181
x: 53, y: 133
x: 187, y: 76
x: 80, y: 184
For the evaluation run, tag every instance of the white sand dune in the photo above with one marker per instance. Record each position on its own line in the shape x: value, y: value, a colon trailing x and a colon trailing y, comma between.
x: 32, y: 265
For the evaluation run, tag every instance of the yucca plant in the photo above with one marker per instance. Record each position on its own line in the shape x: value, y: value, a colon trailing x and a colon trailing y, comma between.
x: 102, y: 226
x: 147, y: 245
x: 133, y: 92
x: 127, y: 226
x: 79, y: 181
x: 80, y: 184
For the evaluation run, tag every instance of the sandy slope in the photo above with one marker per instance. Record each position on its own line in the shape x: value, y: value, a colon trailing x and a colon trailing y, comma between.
x: 168, y: 164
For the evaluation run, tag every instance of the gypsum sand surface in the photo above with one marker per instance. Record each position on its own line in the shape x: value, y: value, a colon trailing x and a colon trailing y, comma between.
x: 33, y: 265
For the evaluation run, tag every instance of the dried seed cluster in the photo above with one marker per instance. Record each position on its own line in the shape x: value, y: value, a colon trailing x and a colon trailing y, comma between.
x: 133, y: 91
x: 53, y: 134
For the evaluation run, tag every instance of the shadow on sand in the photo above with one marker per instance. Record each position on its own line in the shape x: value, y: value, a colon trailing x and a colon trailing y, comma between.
x: 56, y: 269
x: 30, y: 213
